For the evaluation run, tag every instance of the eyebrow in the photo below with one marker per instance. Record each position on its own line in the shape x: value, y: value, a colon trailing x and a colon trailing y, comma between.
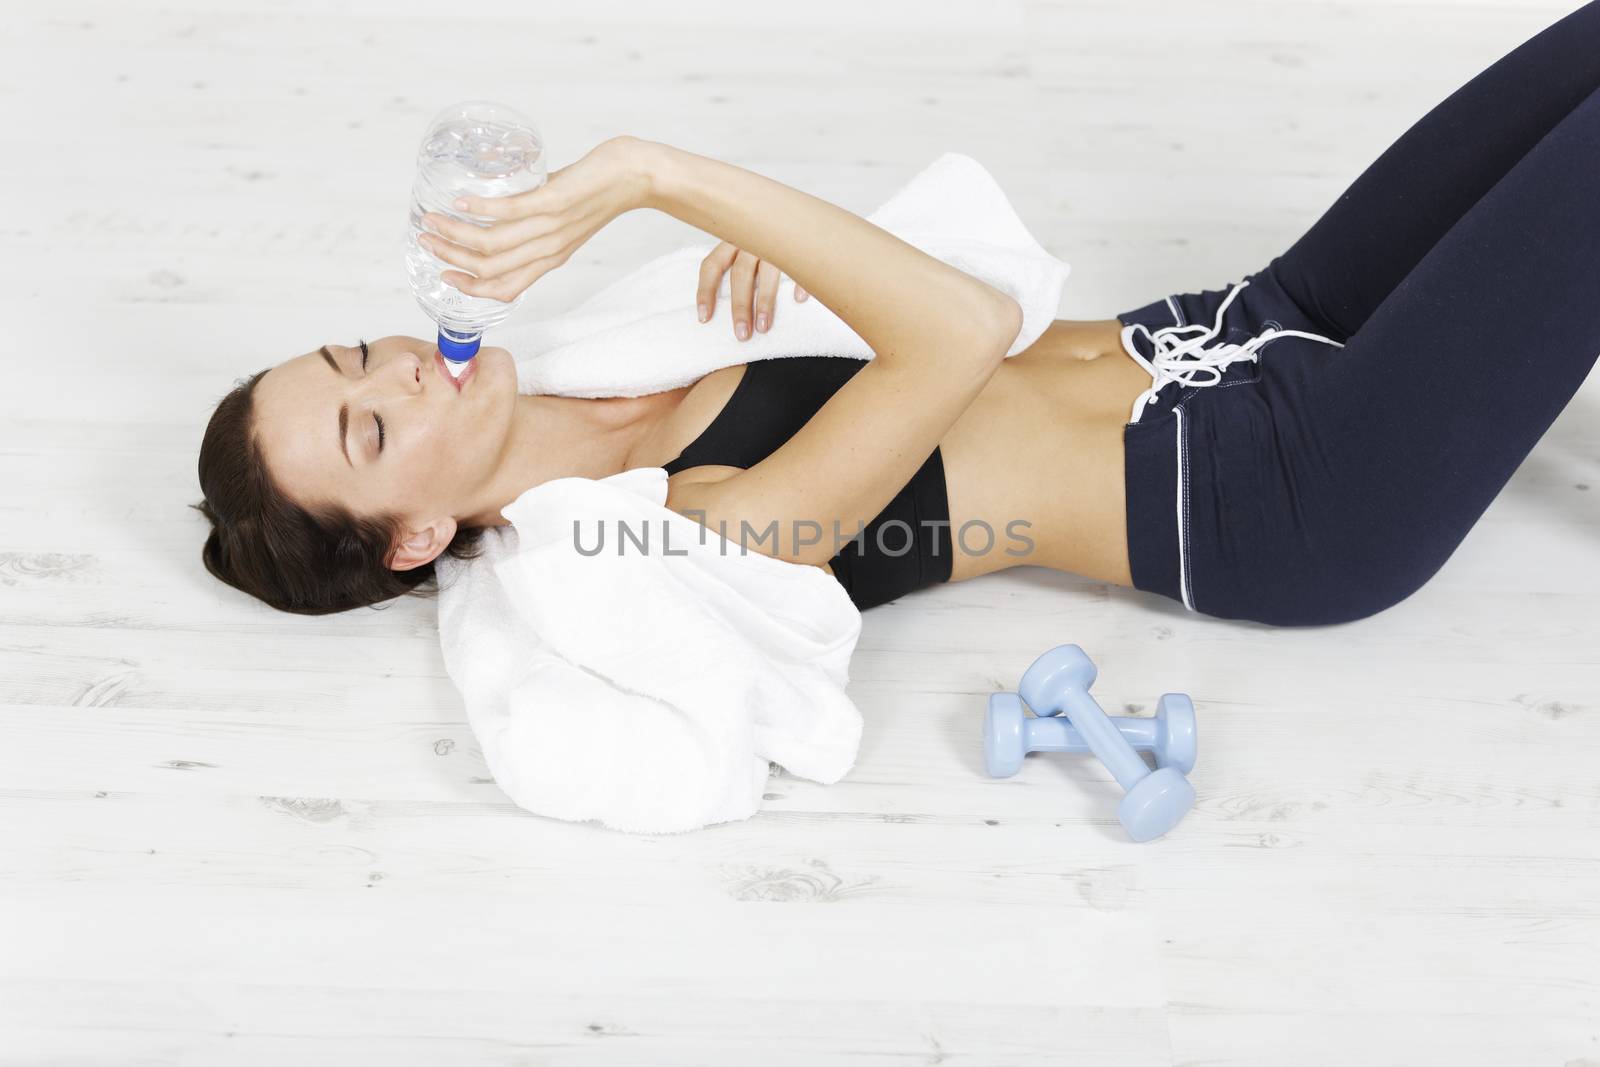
x: 344, y: 409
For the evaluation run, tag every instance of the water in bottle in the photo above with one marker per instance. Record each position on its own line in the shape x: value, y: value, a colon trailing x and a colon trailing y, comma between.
x: 474, y: 148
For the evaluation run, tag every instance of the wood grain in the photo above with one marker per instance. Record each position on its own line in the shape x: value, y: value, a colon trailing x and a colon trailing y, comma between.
x: 230, y: 836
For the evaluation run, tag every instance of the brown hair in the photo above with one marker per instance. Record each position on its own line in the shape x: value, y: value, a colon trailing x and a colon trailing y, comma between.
x: 306, y: 561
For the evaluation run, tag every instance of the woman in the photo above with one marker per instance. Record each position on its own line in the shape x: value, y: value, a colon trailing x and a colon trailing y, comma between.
x: 1305, y: 446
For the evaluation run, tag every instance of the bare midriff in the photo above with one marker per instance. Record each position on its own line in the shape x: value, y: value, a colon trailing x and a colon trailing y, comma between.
x: 1033, y: 468
x: 1042, y: 445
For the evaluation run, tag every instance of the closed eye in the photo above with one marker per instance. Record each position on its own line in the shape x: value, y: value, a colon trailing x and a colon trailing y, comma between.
x: 365, y: 353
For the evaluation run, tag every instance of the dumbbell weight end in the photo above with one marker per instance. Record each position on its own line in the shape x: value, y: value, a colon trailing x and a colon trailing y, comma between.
x: 1156, y: 804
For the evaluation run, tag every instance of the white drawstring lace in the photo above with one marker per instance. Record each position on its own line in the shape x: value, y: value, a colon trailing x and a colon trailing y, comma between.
x: 1181, y: 359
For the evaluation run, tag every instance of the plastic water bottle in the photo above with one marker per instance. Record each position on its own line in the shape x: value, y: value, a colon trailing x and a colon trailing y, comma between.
x: 473, y: 148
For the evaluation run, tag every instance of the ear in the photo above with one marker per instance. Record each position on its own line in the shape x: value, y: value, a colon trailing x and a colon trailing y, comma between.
x: 423, y: 546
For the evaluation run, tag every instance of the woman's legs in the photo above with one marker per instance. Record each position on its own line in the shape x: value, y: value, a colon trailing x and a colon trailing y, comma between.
x: 1389, y: 450
x: 1401, y: 205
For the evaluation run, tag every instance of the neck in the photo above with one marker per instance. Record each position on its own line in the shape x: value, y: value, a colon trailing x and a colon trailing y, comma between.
x: 563, y: 436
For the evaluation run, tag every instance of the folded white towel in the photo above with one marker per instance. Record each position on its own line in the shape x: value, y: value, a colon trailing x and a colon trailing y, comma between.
x: 644, y: 680
x: 650, y: 690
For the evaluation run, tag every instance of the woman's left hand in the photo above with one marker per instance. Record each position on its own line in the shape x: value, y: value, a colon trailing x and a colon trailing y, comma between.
x: 753, y: 282
x: 536, y: 231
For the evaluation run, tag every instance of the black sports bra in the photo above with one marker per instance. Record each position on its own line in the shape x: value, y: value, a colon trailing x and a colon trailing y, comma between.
x: 905, y: 547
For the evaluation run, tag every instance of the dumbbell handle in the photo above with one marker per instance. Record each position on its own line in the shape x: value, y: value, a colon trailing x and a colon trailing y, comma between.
x: 1056, y: 734
x: 1104, y: 739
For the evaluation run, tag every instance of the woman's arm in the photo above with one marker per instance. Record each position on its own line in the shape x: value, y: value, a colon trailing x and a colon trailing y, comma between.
x: 936, y: 332
x: 897, y: 297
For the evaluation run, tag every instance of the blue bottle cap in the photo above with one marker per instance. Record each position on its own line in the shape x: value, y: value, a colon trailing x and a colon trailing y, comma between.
x: 458, y: 347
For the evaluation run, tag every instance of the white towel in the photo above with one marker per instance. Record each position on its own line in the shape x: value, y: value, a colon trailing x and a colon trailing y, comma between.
x: 648, y: 690
x: 642, y: 689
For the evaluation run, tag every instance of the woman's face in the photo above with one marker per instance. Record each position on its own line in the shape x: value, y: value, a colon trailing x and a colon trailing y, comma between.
x: 318, y: 417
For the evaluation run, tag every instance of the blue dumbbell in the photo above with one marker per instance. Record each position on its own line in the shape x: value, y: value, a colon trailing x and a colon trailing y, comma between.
x: 1157, y: 800
x: 1009, y: 734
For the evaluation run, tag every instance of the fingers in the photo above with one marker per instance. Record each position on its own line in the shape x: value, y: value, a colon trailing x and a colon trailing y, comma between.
x: 489, y: 240
x: 505, y: 287
x: 741, y: 288
x: 766, y: 294
x: 488, y: 268
x: 712, y: 268
x: 752, y: 289
x: 502, y: 277
x: 543, y: 198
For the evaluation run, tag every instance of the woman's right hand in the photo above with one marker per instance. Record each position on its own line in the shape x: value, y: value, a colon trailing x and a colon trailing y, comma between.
x: 754, y: 281
x: 534, y: 232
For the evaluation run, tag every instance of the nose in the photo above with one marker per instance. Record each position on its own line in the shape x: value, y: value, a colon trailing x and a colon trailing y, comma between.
x: 407, y: 372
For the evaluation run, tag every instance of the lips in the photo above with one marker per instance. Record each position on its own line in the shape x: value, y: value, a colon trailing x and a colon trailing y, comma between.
x: 443, y: 368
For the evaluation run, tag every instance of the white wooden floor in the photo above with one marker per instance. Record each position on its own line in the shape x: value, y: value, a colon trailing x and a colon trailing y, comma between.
x: 230, y: 836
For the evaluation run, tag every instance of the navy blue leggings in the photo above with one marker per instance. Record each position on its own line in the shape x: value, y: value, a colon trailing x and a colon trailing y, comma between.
x: 1461, y: 272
